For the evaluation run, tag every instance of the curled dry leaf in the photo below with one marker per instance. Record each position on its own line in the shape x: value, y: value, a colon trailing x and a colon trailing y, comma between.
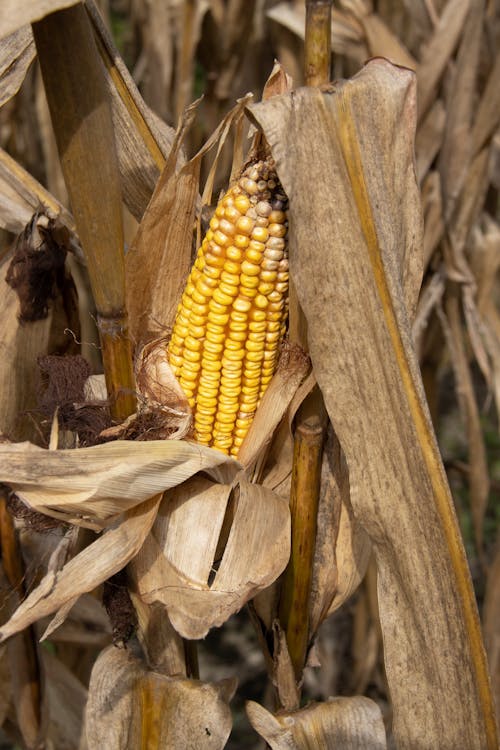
x: 211, y: 549
x: 91, y: 567
x: 347, y: 723
x: 368, y: 231
x: 17, y: 52
x: 91, y: 486
x: 130, y: 706
x: 14, y: 15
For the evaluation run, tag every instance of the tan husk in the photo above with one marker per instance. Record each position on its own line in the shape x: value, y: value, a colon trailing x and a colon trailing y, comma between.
x: 347, y: 723
x: 130, y: 706
x: 369, y: 235
x: 211, y: 549
x: 91, y: 486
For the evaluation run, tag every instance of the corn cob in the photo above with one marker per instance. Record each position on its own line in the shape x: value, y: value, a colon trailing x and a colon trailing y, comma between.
x: 232, y: 316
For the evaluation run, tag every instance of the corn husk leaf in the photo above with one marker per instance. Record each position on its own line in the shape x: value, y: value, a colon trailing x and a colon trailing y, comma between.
x: 130, y: 706
x: 361, y: 349
x: 91, y: 486
x: 67, y: 698
x: 347, y: 723
x: 211, y: 549
x: 91, y: 567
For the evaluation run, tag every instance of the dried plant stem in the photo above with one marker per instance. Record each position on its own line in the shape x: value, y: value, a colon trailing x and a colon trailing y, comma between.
x: 81, y: 117
x: 26, y: 664
x: 318, y: 42
x: 311, y: 419
x: 304, y: 499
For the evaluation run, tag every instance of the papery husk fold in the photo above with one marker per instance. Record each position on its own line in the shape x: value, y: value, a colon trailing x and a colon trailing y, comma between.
x: 348, y: 723
x: 130, y: 706
x: 212, y: 548
x: 367, y: 232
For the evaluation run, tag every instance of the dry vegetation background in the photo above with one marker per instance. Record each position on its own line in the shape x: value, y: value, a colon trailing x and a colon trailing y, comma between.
x: 221, y: 49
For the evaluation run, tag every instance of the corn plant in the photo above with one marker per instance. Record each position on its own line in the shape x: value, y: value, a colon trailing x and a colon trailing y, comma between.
x: 260, y: 430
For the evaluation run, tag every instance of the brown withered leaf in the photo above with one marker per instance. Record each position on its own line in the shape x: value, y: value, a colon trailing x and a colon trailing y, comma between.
x: 211, y: 549
x: 348, y: 723
x: 353, y: 145
x: 130, y: 706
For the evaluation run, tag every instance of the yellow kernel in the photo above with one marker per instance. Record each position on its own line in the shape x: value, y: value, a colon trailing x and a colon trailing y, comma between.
x: 176, y: 360
x: 234, y: 355
x: 227, y: 418
x: 174, y: 349
x: 232, y: 343
x: 196, y: 331
x: 250, y: 269
x: 219, y: 211
x: 260, y: 301
x: 272, y: 337
x: 257, y: 326
x: 241, y: 304
x: 251, y: 368
x: 181, y: 330
x: 200, y: 298
x: 240, y: 432
x: 276, y: 306
x: 197, y: 320
x: 277, y: 230
x: 216, y: 261
x: 211, y: 364
x: 231, y: 278
x: 213, y: 347
x: 254, y: 256
x: 222, y: 298
x: 229, y: 377
x: 277, y: 217
x: 257, y: 336
x: 208, y: 400
x: 227, y: 400
x: 241, y: 241
x: 244, y: 225
x: 274, y: 315
x: 190, y: 356
x: 259, y: 233
x: 253, y: 346
x: 204, y: 420
x: 237, y: 336
x: 215, y: 338
x: 232, y: 214
x: 250, y: 390
x: 193, y: 344
x: 231, y: 365
x: 255, y: 355
x: 266, y: 288
x: 232, y: 268
x: 227, y: 228
x: 207, y: 411
x: 212, y: 272
x: 234, y: 255
x: 242, y: 204
x: 214, y: 223
x: 237, y: 317
x: 230, y: 289
x: 236, y: 325
x: 217, y: 307
x: 228, y: 199
x: 218, y: 318
x: 249, y: 282
x: 221, y: 239
x: 268, y: 276
x: 230, y: 391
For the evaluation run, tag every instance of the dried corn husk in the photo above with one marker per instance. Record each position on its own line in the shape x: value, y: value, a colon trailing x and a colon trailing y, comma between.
x: 131, y: 706
x: 366, y: 368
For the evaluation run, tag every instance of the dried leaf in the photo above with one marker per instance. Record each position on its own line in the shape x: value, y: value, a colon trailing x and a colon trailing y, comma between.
x: 438, y: 50
x: 132, y: 707
x: 91, y: 567
x: 347, y: 723
x: 368, y: 229
x: 212, y: 548
x: 14, y: 15
x: 17, y: 52
x: 90, y: 486
x: 66, y: 703
x: 491, y: 622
